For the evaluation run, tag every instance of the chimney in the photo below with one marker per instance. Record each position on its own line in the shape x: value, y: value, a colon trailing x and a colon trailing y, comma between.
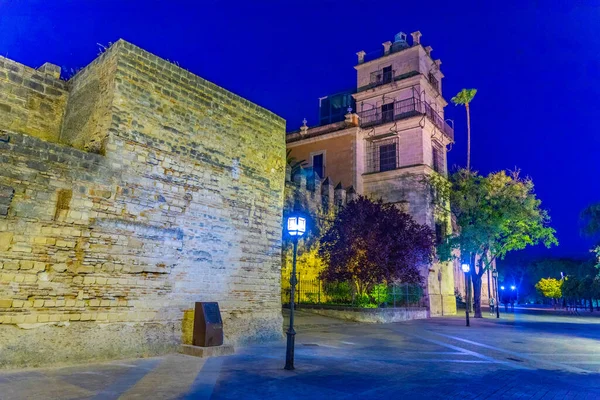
x: 386, y: 47
x: 361, y: 56
x: 428, y: 50
x: 50, y: 69
x: 437, y: 63
x: 416, y: 38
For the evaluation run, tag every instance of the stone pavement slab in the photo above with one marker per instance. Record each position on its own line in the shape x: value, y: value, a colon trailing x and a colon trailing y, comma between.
x: 526, y: 355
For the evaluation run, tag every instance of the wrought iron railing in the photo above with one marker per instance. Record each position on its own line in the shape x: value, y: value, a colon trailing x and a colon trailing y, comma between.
x: 317, y: 291
x: 382, y: 155
x: 379, y: 77
x: 402, y: 109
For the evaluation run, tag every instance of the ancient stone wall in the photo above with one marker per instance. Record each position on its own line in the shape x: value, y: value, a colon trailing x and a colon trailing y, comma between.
x: 88, y: 114
x: 32, y: 101
x: 101, y: 254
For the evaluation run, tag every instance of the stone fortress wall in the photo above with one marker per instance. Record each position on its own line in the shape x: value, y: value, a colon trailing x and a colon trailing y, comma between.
x: 126, y: 194
x: 32, y: 101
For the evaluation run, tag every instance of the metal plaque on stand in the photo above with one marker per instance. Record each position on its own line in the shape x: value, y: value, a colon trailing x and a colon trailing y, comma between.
x: 208, y: 325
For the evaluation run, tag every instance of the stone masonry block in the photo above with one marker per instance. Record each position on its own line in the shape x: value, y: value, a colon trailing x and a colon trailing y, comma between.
x: 5, y: 240
x: 6, y: 303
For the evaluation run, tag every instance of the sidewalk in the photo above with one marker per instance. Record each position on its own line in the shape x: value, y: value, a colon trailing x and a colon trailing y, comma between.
x: 520, y: 356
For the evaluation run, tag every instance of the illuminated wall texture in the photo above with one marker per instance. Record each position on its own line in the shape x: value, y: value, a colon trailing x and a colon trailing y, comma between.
x: 126, y: 194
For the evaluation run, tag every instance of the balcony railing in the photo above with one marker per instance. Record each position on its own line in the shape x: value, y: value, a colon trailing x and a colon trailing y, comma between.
x: 380, y: 77
x: 403, y: 109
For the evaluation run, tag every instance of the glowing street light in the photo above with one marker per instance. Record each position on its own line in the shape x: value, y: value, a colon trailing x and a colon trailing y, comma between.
x: 501, y: 287
x: 296, y: 227
x: 512, y: 287
x: 466, y: 268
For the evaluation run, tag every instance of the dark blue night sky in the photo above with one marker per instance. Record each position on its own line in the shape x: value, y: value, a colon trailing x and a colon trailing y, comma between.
x: 536, y: 65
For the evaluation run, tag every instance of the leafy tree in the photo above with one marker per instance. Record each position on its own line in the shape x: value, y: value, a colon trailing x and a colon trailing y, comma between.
x: 496, y: 214
x: 550, y: 288
x: 370, y: 243
x: 586, y: 290
x: 596, y: 292
x: 464, y: 97
x: 570, y: 289
x: 590, y: 218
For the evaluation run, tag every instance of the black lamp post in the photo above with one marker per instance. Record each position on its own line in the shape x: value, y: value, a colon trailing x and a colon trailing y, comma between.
x: 466, y: 268
x: 495, y: 275
x: 296, y: 226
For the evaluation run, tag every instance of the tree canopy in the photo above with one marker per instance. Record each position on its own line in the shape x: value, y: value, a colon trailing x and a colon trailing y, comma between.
x: 590, y: 218
x: 464, y: 97
x: 496, y: 214
x: 550, y: 288
x: 370, y: 243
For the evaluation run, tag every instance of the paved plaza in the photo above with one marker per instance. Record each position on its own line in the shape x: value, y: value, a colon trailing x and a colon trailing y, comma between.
x: 532, y: 354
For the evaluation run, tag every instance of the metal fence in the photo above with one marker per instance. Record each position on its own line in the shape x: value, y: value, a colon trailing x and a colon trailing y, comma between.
x: 401, y: 109
x: 317, y: 291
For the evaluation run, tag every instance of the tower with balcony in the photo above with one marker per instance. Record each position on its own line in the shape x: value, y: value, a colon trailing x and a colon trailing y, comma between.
x: 388, y: 146
x: 404, y: 139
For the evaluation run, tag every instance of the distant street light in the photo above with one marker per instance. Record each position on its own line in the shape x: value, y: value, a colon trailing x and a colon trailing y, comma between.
x: 501, y: 287
x: 466, y: 269
x: 512, y: 287
x: 296, y: 226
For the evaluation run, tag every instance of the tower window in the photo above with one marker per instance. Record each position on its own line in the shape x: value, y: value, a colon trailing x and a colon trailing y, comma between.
x: 440, y: 232
x: 437, y: 158
x: 318, y: 165
x: 434, y: 82
x: 387, y: 74
x: 382, y: 155
x: 387, y: 157
x: 387, y: 112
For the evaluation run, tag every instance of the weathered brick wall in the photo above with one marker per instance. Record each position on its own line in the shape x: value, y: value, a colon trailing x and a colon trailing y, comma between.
x: 31, y: 101
x: 100, y: 254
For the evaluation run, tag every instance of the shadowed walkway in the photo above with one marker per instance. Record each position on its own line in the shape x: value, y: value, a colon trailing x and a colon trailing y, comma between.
x: 527, y: 355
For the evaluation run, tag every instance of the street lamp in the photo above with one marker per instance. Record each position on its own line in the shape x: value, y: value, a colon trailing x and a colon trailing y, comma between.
x: 505, y: 303
x: 296, y: 226
x: 466, y: 268
x: 495, y: 275
x: 512, y: 287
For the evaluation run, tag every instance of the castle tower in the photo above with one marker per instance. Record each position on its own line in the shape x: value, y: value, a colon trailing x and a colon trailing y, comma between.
x: 393, y: 137
x: 403, y: 139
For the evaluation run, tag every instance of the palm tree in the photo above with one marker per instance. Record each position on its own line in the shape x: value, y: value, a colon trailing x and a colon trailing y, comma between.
x: 464, y: 97
x: 294, y: 164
